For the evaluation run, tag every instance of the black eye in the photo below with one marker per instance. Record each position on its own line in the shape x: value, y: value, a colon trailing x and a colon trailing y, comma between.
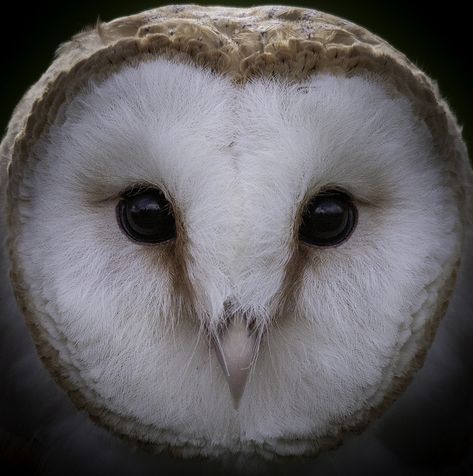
x: 328, y: 219
x: 146, y: 216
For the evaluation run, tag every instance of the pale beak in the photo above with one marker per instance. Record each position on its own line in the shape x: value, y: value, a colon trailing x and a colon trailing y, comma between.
x: 235, y: 348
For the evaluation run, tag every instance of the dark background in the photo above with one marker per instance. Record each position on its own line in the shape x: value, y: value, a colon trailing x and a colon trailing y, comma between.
x: 40, y: 431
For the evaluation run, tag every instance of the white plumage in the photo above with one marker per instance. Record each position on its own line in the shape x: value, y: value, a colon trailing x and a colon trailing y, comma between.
x: 336, y: 328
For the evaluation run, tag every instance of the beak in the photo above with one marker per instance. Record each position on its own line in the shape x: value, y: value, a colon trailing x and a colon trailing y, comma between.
x: 235, y: 348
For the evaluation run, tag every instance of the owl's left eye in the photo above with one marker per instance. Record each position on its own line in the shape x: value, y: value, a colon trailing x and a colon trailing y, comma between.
x: 328, y: 219
x: 146, y: 216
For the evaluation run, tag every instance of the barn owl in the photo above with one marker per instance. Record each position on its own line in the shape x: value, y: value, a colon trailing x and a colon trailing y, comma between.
x: 234, y: 230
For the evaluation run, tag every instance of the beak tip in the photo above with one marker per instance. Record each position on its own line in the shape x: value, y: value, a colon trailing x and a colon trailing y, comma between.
x: 235, y: 351
x: 236, y: 392
x: 236, y: 404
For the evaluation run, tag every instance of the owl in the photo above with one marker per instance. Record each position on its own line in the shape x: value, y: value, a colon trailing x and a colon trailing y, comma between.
x: 234, y: 231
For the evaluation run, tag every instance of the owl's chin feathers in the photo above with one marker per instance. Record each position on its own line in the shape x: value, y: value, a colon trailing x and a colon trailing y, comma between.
x: 236, y: 348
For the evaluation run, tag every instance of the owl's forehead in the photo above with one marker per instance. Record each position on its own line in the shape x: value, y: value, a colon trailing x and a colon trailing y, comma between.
x: 185, y: 129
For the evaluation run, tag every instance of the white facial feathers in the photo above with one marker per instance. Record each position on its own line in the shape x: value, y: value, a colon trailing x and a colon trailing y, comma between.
x: 237, y: 162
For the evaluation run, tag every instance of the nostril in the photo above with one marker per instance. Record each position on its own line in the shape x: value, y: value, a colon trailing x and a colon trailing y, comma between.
x: 228, y: 305
x: 230, y: 308
x: 232, y: 311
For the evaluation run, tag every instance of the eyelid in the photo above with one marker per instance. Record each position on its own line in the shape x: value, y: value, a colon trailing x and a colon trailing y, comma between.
x: 315, y: 192
x: 357, y: 198
x: 112, y: 195
x: 138, y: 188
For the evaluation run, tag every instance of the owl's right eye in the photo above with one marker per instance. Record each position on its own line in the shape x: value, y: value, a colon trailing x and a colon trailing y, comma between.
x: 146, y: 216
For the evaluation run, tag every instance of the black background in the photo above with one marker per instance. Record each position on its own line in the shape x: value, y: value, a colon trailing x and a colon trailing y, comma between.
x: 40, y: 432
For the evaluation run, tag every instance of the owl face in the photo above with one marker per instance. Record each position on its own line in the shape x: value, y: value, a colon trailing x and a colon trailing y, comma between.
x: 223, y: 267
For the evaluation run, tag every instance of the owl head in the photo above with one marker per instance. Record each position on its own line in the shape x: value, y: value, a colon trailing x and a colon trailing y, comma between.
x: 233, y: 230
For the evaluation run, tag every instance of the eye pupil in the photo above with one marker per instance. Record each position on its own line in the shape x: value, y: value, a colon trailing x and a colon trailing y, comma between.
x: 146, y: 217
x: 328, y: 219
x: 146, y: 214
